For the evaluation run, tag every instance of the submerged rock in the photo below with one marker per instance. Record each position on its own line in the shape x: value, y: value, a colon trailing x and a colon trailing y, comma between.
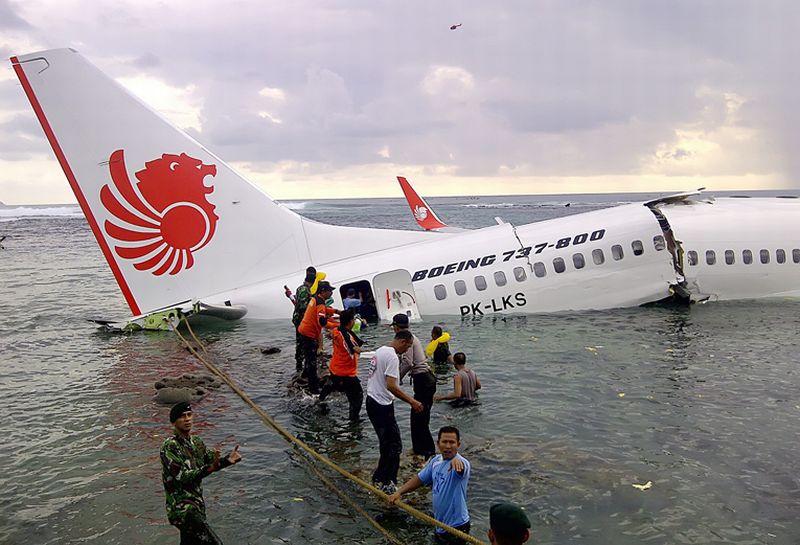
x: 170, y: 396
x: 187, y: 387
x: 270, y: 350
x: 188, y: 380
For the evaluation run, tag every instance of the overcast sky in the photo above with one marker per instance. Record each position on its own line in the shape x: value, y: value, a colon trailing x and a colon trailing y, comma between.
x: 334, y: 99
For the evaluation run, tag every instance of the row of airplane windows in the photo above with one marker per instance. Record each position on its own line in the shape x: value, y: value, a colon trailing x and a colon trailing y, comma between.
x: 747, y: 257
x: 559, y: 266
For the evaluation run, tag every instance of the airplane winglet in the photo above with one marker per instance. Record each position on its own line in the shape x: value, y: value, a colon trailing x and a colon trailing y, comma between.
x: 677, y: 197
x: 425, y: 216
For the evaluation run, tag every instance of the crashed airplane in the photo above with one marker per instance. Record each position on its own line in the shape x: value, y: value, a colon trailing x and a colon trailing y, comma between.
x: 181, y: 230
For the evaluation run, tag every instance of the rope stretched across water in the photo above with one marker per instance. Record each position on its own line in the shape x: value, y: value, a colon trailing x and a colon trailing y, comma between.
x: 283, y: 432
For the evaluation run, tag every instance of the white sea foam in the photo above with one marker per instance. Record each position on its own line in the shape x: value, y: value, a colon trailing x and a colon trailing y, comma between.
x: 546, y: 204
x: 11, y: 213
x: 491, y: 205
x: 295, y: 205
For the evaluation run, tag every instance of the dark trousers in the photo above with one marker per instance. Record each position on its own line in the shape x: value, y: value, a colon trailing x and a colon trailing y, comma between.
x: 298, y: 350
x: 450, y: 539
x: 196, y: 531
x: 310, y: 356
x: 382, y: 418
x: 351, y: 386
x: 424, y: 389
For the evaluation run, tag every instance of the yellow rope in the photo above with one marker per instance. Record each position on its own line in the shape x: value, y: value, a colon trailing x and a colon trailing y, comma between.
x: 267, y: 419
x: 330, y: 484
x: 203, y: 346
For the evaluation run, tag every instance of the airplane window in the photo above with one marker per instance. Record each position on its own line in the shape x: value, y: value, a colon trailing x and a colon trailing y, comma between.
x: 559, y: 265
x: 711, y: 257
x: 461, y: 287
x: 659, y: 243
x: 616, y: 252
x: 796, y: 255
x: 691, y: 256
x: 439, y: 291
x: 598, y: 257
x: 764, y: 255
x: 637, y: 247
x: 500, y: 278
x: 780, y: 256
x: 480, y: 283
x: 578, y: 261
x: 747, y: 257
x: 729, y: 257
x: 520, y: 275
x: 540, y: 271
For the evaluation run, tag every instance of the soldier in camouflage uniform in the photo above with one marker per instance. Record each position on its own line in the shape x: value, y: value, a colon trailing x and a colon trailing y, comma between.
x: 185, y: 461
x: 302, y: 297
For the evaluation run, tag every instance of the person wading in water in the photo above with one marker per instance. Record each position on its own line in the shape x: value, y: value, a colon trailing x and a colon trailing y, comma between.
x: 185, y: 462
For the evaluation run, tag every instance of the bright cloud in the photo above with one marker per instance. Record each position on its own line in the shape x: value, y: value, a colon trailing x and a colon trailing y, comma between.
x: 448, y: 81
x: 273, y: 93
x: 181, y: 105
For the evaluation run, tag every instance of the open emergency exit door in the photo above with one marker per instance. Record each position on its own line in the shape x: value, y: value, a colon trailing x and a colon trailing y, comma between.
x: 394, y: 294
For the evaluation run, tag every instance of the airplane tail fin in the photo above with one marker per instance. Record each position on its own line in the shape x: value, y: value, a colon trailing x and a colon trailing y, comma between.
x: 173, y: 221
x: 423, y: 214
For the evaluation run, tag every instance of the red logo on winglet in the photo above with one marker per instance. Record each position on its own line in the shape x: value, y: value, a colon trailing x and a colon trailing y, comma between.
x: 165, y: 217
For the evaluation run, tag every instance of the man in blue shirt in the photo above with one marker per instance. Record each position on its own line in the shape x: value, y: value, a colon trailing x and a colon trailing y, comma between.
x: 447, y: 474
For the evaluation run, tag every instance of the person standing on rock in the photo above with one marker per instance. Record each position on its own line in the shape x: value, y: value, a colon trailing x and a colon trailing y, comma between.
x: 185, y: 462
x: 301, y: 298
x: 318, y: 315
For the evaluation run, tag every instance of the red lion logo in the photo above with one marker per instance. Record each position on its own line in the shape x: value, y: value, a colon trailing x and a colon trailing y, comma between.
x: 165, y: 217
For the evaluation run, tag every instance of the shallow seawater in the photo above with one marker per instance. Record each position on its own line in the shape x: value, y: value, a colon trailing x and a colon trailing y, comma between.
x: 575, y: 409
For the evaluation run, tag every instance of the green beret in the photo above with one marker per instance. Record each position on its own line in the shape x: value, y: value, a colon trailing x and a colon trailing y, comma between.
x: 177, y: 410
x: 508, y: 520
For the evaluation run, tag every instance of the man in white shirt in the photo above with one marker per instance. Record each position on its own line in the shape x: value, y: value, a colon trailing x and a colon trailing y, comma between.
x: 382, y: 388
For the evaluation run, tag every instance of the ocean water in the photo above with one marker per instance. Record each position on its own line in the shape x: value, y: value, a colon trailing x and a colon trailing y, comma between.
x: 701, y: 401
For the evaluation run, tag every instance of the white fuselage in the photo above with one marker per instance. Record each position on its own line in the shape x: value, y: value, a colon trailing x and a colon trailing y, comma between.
x: 609, y: 258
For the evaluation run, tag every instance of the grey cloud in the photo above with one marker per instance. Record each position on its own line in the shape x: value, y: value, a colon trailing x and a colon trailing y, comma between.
x: 587, y: 88
x: 21, y: 137
x: 9, y: 18
x: 556, y: 116
x: 148, y: 60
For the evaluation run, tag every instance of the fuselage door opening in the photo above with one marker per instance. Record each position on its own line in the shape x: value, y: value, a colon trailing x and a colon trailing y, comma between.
x: 359, y: 296
x: 394, y: 294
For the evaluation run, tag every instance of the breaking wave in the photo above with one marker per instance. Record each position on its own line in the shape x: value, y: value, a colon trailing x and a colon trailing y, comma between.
x: 492, y: 205
x: 295, y: 205
x: 11, y: 213
x: 545, y: 204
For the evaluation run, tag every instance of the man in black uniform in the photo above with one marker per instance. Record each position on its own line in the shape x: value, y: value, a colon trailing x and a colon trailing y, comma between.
x: 413, y: 361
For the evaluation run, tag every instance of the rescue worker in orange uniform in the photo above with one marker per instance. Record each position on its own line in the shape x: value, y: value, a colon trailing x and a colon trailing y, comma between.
x: 344, y: 364
x: 318, y: 315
